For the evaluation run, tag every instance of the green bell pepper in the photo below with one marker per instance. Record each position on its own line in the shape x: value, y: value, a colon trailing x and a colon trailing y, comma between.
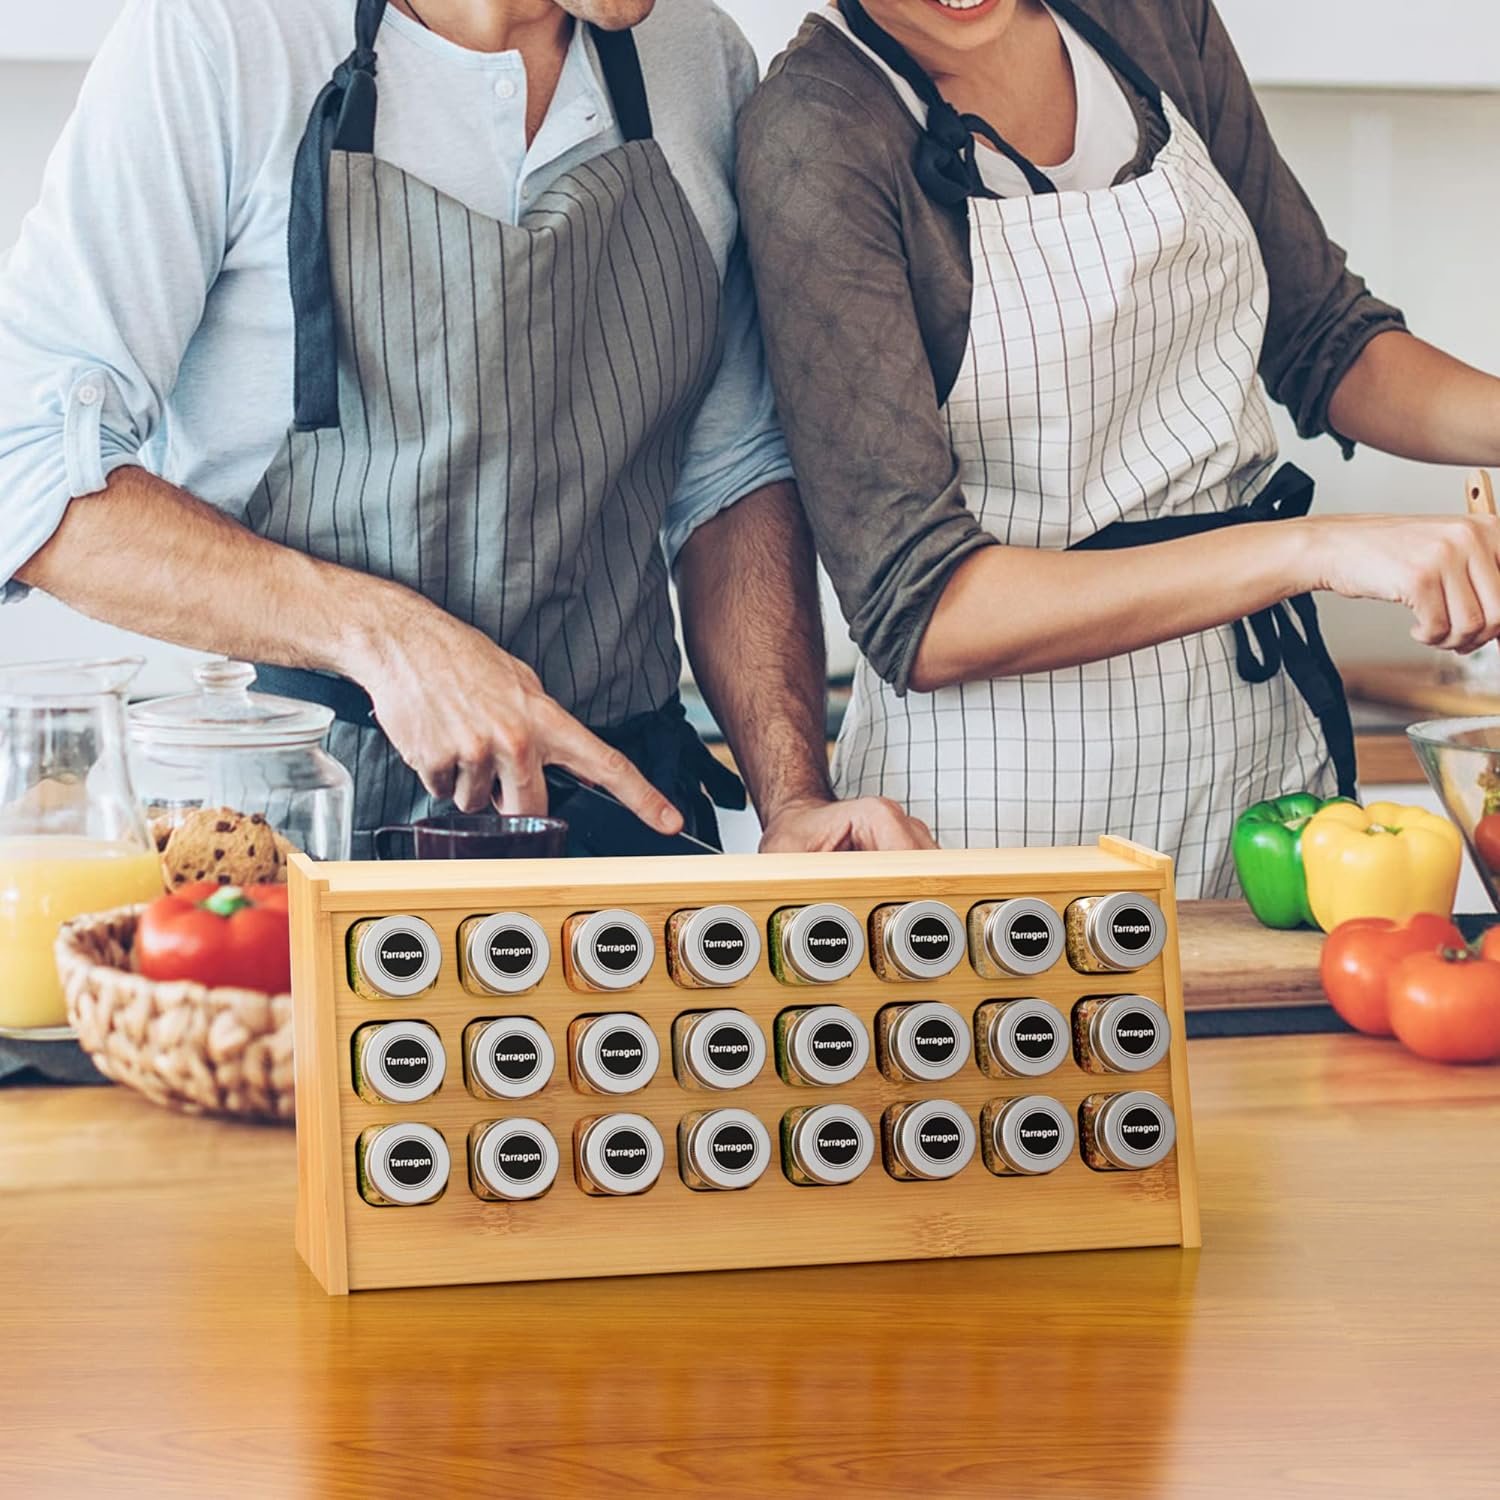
x: 1267, y: 849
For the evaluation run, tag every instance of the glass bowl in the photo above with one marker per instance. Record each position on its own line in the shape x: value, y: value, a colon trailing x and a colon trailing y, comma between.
x: 1462, y: 760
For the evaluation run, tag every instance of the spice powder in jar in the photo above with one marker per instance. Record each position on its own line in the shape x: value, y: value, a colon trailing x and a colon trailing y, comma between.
x: 915, y: 940
x: 817, y: 944
x: 1115, y: 933
x: 393, y: 958
x: 1126, y: 1132
x: 401, y: 1165
x: 711, y: 947
x: 1120, y: 1033
x: 1015, y: 938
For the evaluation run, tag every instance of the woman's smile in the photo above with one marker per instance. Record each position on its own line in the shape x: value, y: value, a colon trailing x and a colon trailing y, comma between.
x: 964, y: 10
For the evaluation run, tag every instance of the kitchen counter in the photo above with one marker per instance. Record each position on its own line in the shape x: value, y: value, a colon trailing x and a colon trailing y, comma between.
x: 1334, y: 1337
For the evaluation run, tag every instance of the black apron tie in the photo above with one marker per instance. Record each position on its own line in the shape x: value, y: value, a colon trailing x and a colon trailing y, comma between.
x: 1278, y: 642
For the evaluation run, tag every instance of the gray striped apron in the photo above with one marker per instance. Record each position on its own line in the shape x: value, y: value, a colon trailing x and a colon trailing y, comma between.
x: 495, y: 415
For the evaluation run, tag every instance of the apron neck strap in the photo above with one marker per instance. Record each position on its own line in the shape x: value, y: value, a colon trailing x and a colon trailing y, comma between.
x: 621, y: 64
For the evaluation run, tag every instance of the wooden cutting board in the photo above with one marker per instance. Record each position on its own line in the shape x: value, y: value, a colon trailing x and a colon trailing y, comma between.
x: 1231, y: 962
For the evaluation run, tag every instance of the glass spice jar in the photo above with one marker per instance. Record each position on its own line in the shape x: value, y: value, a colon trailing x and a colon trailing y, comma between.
x: 509, y: 1057
x: 926, y: 1042
x: 1120, y: 1033
x: 393, y: 958
x: 816, y: 944
x: 401, y: 1165
x: 712, y: 946
x: 616, y: 1155
x: 1028, y: 1137
x: 398, y: 1062
x: 1126, y: 1132
x: 928, y: 1141
x: 1013, y: 938
x: 511, y: 1161
x: 607, y: 950
x: 820, y: 1045
x: 505, y: 953
x: 615, y: 1053
x: 717, y: 1049
x: 722, y: 1150
x: 1115, y: 933
x: 915, y: 940
x: 826, y: 1145
x: 1024, y: 1038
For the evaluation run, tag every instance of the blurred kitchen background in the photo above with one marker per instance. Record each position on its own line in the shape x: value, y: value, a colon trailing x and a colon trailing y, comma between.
x: 1389, y: 112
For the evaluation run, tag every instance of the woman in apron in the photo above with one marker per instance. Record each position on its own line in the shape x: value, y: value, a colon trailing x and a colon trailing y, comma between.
x: 975, y: 355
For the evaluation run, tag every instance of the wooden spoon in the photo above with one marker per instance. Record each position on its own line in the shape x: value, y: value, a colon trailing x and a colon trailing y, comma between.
x: 1479, y: 493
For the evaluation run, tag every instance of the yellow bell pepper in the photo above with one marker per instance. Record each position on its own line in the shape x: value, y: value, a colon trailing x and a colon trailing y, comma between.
x: 1384, y: 860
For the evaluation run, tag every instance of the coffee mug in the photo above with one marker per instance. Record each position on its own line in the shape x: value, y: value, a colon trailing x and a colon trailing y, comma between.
x: 473, y: 836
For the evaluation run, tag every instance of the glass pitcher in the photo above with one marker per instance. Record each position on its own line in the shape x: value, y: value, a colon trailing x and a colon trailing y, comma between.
x: 72, y: 836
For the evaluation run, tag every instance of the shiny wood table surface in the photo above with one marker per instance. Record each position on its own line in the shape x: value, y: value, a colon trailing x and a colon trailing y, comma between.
x: 1338, y: 1335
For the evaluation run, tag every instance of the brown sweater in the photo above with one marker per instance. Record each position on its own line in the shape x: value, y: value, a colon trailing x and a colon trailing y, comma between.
x: 865, y: 286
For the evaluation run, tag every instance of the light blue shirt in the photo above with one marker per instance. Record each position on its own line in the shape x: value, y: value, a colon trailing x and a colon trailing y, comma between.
x: 145, y: 313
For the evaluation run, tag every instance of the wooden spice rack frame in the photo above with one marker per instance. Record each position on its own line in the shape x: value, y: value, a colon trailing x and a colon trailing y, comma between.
x: 351, y: 1244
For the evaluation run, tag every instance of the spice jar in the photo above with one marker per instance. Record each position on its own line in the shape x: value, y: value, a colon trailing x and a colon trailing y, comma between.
x: 401, y: 1165
x: 827, y: 1145
x: 711, y: 946
x: 505, y: 953
x: 717, y: 1049
x: 611, y: 1054
x: 511, y: 1160
x: 607, y: 950
x: 925, y: 1042
x: 393, y: 958
x: 510, y: 1057
x: 1120, y: 1033
x: 1126, y: 1132
x: 1028, y: 1136
x: 1115, y: 933
x: 927, y: 1142
x: 820, y: 1045
x: 398, y: 1062
x: 1019, y: 937
x: 915, y: 940
x: 815, y: 944
x: 720, y: 1150
x: 616, y: 1155
x: 1019, y: 1038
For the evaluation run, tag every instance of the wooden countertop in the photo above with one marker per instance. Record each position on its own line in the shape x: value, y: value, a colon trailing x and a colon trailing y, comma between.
x: 1334, y: 1337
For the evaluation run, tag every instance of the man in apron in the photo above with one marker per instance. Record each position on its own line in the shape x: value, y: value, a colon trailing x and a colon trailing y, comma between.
x: 449, y: 377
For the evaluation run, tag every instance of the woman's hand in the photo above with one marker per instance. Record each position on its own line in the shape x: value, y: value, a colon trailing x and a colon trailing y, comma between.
x: 1444, y: 569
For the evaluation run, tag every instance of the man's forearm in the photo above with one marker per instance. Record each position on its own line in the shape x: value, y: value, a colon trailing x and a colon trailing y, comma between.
x: 748, y: 587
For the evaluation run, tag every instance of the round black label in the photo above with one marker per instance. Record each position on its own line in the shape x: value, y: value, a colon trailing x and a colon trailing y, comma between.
x: 512, y: 951
x: 1029, y: 935
x: 837, y: 1142
x: 616, y: 948
x: 940, y: 1138
x: 728, y: 1048
x: 409, y: 1162
x: 406, y: 1061
x: 519, y: 1157
x: 1038, y: 1133
x: 1131, y: 927
x: 832, y: 1044
x: 515, y: 1057
x: 934, y: 1041
x: 402, y: 954
x: 626, y: 1152
x: 723, y: 944
x: 828, y: 942
x: 1034, y: 1037
x: 1141, y: 1128
x: 930, y: 939
x: 1135, y: 1033
x: 733, y: 1148
x: 621, y: 1053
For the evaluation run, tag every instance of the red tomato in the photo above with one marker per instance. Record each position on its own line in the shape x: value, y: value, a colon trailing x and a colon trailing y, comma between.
x: 1487, y: 842
x: 1446, y: 1007
x: 1489, y: 944
x: 1358, y: 957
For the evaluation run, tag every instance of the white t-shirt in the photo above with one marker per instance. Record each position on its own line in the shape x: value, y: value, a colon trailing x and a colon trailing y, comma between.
x: 1108, y: 134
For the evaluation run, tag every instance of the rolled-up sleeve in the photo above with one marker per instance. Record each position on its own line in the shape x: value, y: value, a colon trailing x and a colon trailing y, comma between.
x: 106, y: 285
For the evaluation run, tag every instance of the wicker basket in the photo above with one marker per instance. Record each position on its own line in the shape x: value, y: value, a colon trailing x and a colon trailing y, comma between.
x: 205, y: 1051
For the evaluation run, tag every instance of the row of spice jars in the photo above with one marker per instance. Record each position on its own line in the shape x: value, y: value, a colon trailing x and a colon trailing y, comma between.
x: 719, y: 1150
x: 512, y: 1057
x: 507, y: 953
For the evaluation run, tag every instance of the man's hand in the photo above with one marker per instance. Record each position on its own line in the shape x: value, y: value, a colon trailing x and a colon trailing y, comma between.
x: 816, y: 826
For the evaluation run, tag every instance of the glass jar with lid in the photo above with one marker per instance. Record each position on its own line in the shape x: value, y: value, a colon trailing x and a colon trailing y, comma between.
x: 226, y: 747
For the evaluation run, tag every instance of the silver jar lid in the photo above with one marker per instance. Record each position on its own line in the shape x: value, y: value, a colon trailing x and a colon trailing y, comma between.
x: 827, y: 1044
x: 719, y: 945
x: 613, y: 949
x: 1023, y: 936
x: 822, y: 943
x: 1026, y: 1038
x: 511, y: 1057
x: 1033, y: 1134
x: 407, y: 1163
x: 621, y: 1154
x: 723, y: 1049
x: 515, y: 1159
x: 934, y: 1139
x: 923, y: 940
x: 1130, y: 1033
x: 831, y: 1144
x: 507, y: 952
x: 1134, y: 1130
x: 728, y: 1148
x: 1125, y: 930
x: 929, y: 1041
x: 398, y: 956
x: 402, y: 1062
x: 617, y: 1053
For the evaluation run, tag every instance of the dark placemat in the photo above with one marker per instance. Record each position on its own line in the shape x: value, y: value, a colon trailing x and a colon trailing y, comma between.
x: 26, y: 1063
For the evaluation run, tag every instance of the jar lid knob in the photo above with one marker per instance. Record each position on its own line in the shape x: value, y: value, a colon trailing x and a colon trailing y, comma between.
x: 225, y: 677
